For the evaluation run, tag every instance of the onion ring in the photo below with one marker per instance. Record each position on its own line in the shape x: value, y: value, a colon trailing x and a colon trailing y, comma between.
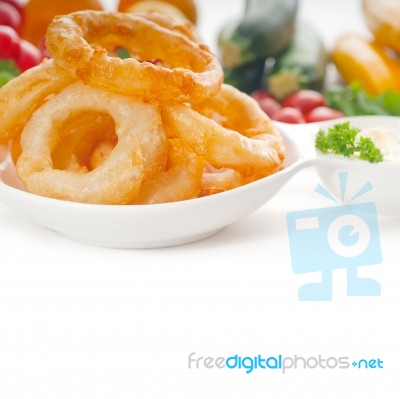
x: 76, y: 141
x: 244, y: 140
x: 183, y: 27
x: 3, y: 153
x: 181, y: 181
x: 79, y: 138
x: 119, y: 178
x: 20, y: 96
x: 101, y: 152
x: 218, y: 180
x: 194, y: 75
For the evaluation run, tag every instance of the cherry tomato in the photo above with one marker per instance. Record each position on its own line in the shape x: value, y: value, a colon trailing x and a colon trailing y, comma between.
x: 269, y: 106
x: 289, y: 115
x: 260, y: 94
x: 9, y: 42
x: 19, y: 5
x: 28, y: 56
x: 320, y: 114
x: 305, y: 100
x: 10, y: 16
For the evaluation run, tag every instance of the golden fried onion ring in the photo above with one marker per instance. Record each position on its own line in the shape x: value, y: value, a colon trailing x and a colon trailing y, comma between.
x: 183, y: 27
x: 79, y: 138
x: 244, y: 140
x: 181, y: 181
x: 79, y: 43
x: 217, y: 180
x: 115, y: 181
x: 19, y: 97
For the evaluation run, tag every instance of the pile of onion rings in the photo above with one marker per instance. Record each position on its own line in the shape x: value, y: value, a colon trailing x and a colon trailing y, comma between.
x: 158, y: 126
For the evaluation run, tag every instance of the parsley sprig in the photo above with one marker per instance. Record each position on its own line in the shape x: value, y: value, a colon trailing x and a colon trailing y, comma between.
x: 342, y: 139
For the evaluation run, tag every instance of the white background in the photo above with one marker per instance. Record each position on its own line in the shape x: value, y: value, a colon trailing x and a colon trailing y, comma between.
x: 84, y: 322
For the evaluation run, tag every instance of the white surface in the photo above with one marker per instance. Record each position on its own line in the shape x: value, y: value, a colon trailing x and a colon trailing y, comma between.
x: 84, y: 322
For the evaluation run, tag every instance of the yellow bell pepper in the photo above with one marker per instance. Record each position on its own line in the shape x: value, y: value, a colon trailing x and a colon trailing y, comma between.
x: 383, y: 19
x: 161, y: 7
x: 366, y: 62
x: 188, y: 7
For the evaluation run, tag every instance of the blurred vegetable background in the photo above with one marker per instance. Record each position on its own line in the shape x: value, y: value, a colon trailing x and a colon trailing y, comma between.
x: 282, y: 61
x: 272, y: 49
x: 16, y: 54
x: 23, y: 24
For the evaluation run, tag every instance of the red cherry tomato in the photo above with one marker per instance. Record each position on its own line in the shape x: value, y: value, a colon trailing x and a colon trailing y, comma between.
x: 305, y: 100
x: 289, y: 115
x: 9, y: 42
x: 269, y: 106
x: 10, y: 16
x: 320, y: 114
x: 28, y: 56
x: 19, y: 5
x: 260, y: 94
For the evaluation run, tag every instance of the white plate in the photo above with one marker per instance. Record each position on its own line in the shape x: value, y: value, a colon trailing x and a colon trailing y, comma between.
x: 145, y: 226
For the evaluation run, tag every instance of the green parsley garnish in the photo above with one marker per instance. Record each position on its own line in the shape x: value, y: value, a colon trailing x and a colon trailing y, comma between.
x: 341, y: 139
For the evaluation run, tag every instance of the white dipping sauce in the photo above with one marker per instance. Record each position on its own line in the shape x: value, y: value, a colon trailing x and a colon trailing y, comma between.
x: 387, y: 140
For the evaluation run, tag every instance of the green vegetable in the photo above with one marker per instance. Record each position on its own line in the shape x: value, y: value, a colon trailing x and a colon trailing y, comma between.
x: 265, y: 30
x: 353, y: 100
x: 8, y: 71
x: 9, y: 66
x: 341, y: 139
x: 368, y: 151
x: 247, y: 77
x: 302, y: 65
x: 5, y: 77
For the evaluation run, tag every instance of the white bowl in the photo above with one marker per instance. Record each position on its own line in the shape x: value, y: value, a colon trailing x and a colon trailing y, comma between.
x: 151, y: 226
x: 145, y: 226
x: 384, y: 177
